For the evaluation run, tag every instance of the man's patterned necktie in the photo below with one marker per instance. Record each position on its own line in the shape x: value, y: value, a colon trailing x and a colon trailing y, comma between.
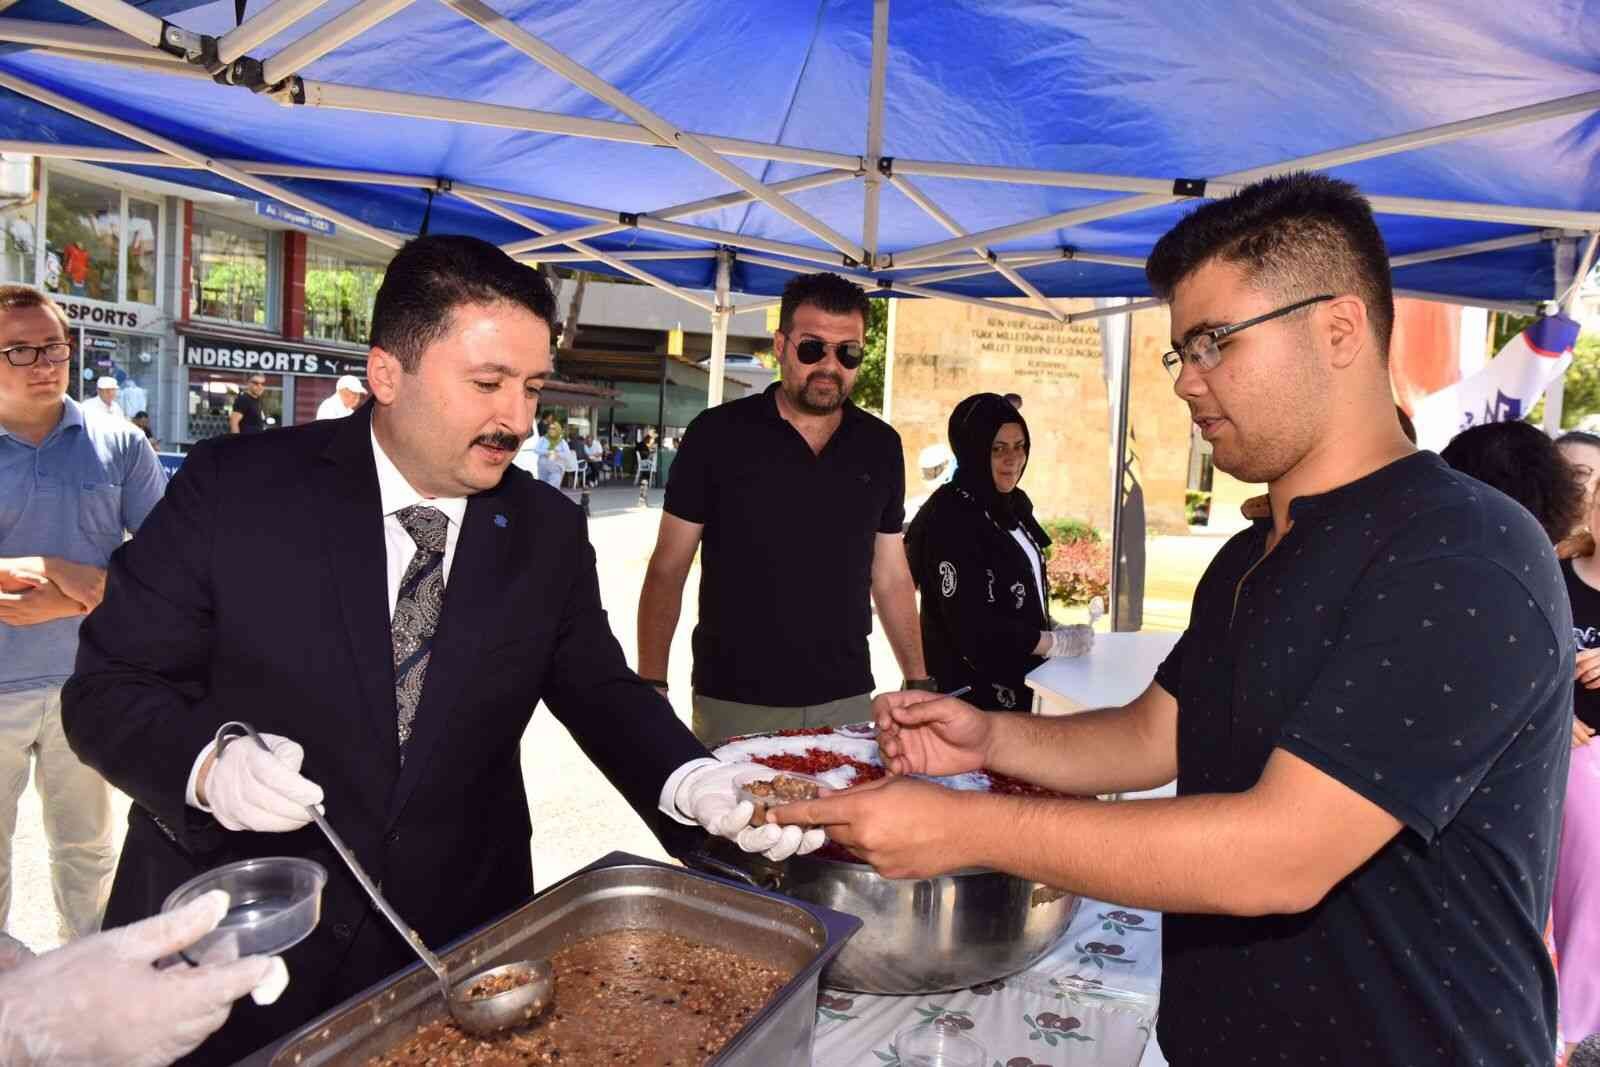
x: 416, y: 611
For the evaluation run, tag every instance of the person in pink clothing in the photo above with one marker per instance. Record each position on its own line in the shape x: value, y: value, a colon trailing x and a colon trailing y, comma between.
x: 1576, y: 905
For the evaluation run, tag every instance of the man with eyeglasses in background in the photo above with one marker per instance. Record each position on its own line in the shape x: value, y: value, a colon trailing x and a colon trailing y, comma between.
x: 796, y: 498
x: 246, y: 416
x: 71, y: 487
x: 1368, y: 717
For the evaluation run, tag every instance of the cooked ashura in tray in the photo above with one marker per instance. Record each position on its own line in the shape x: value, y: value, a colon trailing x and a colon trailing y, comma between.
x: 623, y: 997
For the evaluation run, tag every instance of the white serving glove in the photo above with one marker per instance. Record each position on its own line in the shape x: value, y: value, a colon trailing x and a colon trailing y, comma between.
x: 100, y: 1000
x: 1070, y: 641
x: 710, y: 796
x: 249, y: 788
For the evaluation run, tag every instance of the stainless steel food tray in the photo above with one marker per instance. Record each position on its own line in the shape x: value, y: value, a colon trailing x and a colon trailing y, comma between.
x: 620, y: 891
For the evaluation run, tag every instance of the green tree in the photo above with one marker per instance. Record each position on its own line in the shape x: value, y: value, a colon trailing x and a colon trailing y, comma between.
x: 1581, y: 394
x: 868, y: 392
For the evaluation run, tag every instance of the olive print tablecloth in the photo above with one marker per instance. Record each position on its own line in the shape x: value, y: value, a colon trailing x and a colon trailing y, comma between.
x: 1091, y: 1001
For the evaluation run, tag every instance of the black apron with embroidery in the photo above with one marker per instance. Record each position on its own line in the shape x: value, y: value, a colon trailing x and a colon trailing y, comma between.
x: 981, y: 611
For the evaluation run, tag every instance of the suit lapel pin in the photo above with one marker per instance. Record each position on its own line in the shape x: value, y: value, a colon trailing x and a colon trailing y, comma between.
x: 501, y: 521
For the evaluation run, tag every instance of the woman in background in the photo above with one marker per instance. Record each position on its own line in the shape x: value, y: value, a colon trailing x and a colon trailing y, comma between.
x: 1527, y: 466
x: 977, y: 554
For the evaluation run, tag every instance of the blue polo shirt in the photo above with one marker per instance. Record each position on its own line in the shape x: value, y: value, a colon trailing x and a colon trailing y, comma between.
x: 73, y: 495
x: 1410, y: 638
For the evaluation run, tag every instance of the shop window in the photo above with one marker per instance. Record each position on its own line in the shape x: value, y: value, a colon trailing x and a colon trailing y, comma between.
x: 19, y: 214
x: 231, y: 263
x: 211, y: 394
x: 144, y: 224
x: 83, y: 227
x: 340, y: 289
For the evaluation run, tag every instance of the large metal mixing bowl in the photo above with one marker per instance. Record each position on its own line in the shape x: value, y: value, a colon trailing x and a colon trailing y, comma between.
x: 917, y: 936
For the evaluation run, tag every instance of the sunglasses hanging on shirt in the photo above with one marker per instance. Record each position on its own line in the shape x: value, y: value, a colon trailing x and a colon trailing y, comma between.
x: 811, y: 350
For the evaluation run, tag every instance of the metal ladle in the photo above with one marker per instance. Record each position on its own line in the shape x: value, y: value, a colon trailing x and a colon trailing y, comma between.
x: 480, y: 1016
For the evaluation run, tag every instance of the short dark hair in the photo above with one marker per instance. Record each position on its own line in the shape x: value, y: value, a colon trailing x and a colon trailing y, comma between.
x: 1520, y: 461
x: 432, y: 276
x: 1579, y: 437
x: 142, y: 415
x: 827, y: 291
x: 17, y: 297
x: 1407, y: 427
x: 1298, y: 234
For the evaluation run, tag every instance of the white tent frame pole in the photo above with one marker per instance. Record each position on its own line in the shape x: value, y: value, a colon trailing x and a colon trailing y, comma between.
x: 263, y: 26
x: 1433, y: 135
x: 975, y: 269
x: 485, y: 204
x: 419, y: 106
x: 130, y: 20
x: 1470, y: 211
x: 631, y: 257
x: 1585, y: 265
x: 1509, y: 306
x: 943, y: 218
x: 1411, y: 259
x: 874, y: 184
x: 1118, y: 309
x: 720, y: 319
x: 875, y: 285
x: 695, y: 207
x: 554, y: 61
x: 756, y: 305
x: 739, y: 240
x: 325, y: 38
x: 75, y: 38
x: 196, y: 159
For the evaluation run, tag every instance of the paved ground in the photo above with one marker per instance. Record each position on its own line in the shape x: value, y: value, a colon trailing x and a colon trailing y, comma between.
x: 576, y: 815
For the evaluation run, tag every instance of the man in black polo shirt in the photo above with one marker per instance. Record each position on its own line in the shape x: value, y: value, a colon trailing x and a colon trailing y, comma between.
x: 1368, y: 717
x: 797, y: 497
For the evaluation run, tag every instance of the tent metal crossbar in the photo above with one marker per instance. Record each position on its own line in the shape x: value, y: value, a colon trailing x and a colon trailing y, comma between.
x: 485, y: 204
x: 558, y: 63
x: 177, y: 151
x: 343, y: 28
x: 875, y: 88
x: 943, y: 218
x: 695, y: 207
x: 142, y: 27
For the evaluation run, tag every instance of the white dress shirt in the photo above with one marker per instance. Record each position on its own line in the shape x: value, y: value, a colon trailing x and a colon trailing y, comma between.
x: 395, y: 494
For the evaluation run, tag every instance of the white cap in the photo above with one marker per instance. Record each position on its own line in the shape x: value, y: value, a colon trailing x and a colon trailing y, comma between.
x: 107, y: 382
x: 350, y: 382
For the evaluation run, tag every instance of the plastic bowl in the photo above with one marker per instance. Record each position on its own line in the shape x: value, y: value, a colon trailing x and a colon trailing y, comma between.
x: 274, y: 904
x: 762, y: 803
x: 937, y: 1044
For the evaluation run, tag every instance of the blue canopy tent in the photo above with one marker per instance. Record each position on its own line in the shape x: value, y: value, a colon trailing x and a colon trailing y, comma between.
x: 957, y: 148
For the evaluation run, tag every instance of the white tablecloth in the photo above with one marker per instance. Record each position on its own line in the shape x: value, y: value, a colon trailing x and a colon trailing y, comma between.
x: 1117, y: 669
x: 1090, y: 1002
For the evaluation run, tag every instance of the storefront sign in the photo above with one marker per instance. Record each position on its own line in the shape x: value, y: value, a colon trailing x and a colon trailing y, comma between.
x: 271, y: 209
x: 142, y: 318
x: 269, y: 356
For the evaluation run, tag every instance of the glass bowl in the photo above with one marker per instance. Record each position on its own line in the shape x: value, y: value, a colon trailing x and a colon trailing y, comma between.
x: 937, y: 1044
x: 274, y: 904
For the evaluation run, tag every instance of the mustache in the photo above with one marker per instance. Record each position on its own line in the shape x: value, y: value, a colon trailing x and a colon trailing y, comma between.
x: 508, y: 441
x: 826, y: 376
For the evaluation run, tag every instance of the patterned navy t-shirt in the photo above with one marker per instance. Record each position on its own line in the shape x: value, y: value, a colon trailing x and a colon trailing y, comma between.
x: 1409, y: 637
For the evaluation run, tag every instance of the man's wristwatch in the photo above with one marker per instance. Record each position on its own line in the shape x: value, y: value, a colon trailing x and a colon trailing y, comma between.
x: 926, y: 685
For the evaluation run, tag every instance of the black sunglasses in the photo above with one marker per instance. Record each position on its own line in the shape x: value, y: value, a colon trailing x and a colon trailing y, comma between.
x: 848, y: 353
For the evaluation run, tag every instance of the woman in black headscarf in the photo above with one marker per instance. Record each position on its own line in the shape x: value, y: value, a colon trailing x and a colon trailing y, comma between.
x: 977, y: 554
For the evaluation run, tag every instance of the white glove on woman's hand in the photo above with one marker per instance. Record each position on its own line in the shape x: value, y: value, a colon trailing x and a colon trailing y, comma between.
x: 249, y: 788
x: 710, y: 796
x: 100, y: 1000
x: 1070, y: 641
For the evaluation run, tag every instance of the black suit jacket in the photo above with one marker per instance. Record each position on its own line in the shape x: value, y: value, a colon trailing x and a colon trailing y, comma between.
x: 256, y: 590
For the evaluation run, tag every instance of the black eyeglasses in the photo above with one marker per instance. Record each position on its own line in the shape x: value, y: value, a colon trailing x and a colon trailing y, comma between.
x: 28, y: 355
x: 811, y: 350
x: 1201, y: 351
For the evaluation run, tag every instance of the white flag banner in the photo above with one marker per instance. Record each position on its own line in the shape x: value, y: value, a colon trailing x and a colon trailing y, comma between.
x: 1507, y: 388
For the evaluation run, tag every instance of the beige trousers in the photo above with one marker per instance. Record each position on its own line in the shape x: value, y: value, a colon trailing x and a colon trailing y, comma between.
x: 716, y: 719
x: 77, y: 809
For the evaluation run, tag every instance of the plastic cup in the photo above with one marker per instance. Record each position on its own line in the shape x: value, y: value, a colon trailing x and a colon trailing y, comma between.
x: 273, y: 904
x: 937, y: 1044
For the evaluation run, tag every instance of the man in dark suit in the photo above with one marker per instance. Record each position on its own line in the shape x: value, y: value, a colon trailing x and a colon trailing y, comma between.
x: 386, y: 604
